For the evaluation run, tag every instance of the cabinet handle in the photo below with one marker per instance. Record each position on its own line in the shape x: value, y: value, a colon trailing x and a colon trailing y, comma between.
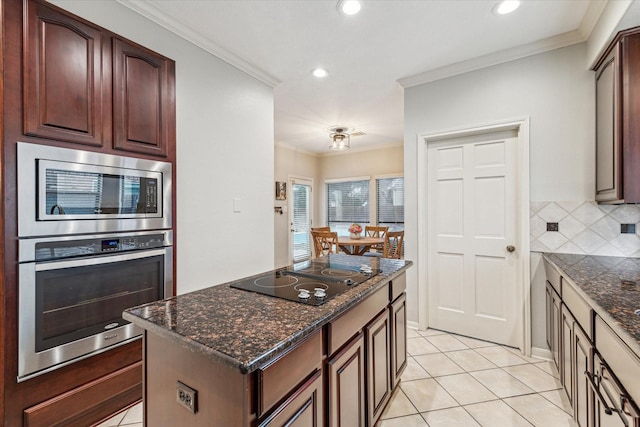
x: 596, y: 390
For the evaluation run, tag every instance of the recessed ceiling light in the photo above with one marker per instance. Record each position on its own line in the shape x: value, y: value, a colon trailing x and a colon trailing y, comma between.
x: 320, y: 73
x: 506, y: 6
x: 349, y: 7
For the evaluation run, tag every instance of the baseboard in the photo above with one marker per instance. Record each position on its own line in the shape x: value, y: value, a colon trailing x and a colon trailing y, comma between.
x: 412, y: 325
x: 541, y: 353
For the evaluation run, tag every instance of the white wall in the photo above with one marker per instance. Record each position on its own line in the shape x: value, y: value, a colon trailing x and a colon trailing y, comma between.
x: 224, y: 151
x: 555, y: 89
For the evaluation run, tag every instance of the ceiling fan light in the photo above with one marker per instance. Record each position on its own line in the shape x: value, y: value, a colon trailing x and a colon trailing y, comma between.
x: 349, y: 7
x: 506, y: 6
x: 340, y: 141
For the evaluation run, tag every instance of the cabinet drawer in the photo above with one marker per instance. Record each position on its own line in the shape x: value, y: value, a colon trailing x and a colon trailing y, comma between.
x: 397, y: 286
x: 553, y: 276
x: 619, y: 357
x: 578, y: 307
x: 348, y: 325
x: 278, y: 378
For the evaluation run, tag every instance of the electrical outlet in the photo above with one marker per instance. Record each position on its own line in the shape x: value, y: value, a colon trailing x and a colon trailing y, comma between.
x: 552, y: 226
x: 187, y: 397
x: 628, y: 228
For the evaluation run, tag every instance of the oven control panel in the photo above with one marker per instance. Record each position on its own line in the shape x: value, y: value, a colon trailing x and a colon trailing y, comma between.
x: 57, y: 249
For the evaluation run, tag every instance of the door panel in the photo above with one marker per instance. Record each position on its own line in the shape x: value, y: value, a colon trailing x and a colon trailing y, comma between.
x: 473, y: 285
x: 301, y: 205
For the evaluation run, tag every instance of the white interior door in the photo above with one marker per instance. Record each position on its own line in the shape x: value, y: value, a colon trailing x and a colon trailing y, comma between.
x: 473, y: 283
x: 300, y: 220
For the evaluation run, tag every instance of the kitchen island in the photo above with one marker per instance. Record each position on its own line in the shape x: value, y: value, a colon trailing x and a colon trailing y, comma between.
x: 231, y: 357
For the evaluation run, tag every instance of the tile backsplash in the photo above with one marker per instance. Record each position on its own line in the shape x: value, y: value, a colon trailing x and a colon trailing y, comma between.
x: 585, y: 228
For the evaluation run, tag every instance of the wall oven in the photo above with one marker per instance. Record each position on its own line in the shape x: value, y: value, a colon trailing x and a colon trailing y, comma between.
x: 63, y: 191
x: 73, y: 290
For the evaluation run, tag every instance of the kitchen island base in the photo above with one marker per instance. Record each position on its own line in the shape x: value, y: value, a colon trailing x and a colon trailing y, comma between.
x: 340, y: 369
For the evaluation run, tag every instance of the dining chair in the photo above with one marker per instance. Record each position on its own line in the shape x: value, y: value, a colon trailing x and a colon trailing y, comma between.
x: 324, y: 243
x: 393, y: 244
x: 320, y: 228
x: 375, y: 231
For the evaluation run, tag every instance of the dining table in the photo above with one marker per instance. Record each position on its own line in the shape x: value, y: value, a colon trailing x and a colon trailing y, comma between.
x: 358, y: 246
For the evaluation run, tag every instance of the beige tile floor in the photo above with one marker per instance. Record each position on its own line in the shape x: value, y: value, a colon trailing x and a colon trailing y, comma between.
x: 451, y: 381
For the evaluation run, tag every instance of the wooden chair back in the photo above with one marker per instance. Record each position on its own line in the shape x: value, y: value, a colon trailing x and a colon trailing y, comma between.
x: 324, y: 243
x: 393, y: 244
x: 320, y: 228
x: 374, y: 231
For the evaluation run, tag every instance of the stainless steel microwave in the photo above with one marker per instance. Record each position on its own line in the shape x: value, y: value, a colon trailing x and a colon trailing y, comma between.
x: 63, y: 191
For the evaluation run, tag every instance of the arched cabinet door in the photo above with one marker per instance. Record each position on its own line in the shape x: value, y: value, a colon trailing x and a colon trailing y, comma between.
x: 66, y: 94
x: 144, y: 99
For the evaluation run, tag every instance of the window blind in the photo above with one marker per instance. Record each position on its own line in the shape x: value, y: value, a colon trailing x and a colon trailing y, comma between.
x: 390, y: 203
x: 347, y: 202
x: 301, y: 222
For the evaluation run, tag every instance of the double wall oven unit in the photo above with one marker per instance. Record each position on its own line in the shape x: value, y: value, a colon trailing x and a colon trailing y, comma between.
x: 94, y: 239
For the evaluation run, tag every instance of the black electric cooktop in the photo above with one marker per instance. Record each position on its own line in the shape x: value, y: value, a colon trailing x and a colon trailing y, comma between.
x: 310, y: 282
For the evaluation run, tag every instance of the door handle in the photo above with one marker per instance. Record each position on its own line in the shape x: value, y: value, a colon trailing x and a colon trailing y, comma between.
x: 511, y: 248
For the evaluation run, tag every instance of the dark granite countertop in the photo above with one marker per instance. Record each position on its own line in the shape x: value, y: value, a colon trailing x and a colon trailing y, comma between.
x: 611, y: 285
x: 244, y: 329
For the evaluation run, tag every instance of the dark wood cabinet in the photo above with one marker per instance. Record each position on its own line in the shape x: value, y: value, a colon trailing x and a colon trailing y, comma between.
x: 398, y: 338
x: 378, y: 366
x: 617, y: 120
x: 346, y: 383
x: 66, y: 88
x: 554, y: 327
x: 143, y: 99
x: 567, y: 371
x: 582, y: 399
x: 88, y: 86
x: 303, y: 409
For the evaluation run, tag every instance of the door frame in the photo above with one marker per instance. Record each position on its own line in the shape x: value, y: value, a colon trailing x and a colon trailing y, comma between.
x: 521, y: 126
x: 290, y: 180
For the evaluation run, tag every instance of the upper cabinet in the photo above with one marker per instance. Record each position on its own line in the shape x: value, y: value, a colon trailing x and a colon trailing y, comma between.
x: 618, y: 120
x: 65, y: 95
x: 85, y: 85
x: 143, y: 99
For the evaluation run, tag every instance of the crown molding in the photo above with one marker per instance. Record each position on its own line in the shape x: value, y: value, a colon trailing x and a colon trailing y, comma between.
x: 591, y: 17
x: 507, y: 55
x: 149, y: 11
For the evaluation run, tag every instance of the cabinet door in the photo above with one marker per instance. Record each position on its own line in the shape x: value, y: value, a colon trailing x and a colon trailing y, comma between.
x: 398, y: 338
x: 378, y: 366
x: 608, y: 173
x: 345, y: 372
x: 302, y: 409
x: 66, y: 96
x: 566, y: 352
x: 143, y: 99
x: 553, y: 324
x: 582, y: 398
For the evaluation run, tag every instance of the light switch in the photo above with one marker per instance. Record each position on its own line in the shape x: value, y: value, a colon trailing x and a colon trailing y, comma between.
x: 236, y: 205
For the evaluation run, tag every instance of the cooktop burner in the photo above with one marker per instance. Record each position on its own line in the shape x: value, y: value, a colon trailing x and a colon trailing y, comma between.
x: 310, y: 282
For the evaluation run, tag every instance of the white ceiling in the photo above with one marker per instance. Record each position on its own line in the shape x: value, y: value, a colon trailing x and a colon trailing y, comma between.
x: 369, y: 56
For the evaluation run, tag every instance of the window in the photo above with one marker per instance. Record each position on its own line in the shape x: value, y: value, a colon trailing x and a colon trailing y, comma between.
x: 347, y: 202
x: 390, y: 203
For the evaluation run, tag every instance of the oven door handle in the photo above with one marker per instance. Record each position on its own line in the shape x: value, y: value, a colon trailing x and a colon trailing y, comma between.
x: 97, y: 260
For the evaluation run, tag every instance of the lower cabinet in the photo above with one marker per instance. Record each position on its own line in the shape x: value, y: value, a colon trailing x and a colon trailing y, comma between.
x: 398, y: 338
x: 378, y: 366
x: 582, y: 398
x: 345, y: 375
x: 553, y: 323
x: 567, y: 368
x: 303, y: 409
